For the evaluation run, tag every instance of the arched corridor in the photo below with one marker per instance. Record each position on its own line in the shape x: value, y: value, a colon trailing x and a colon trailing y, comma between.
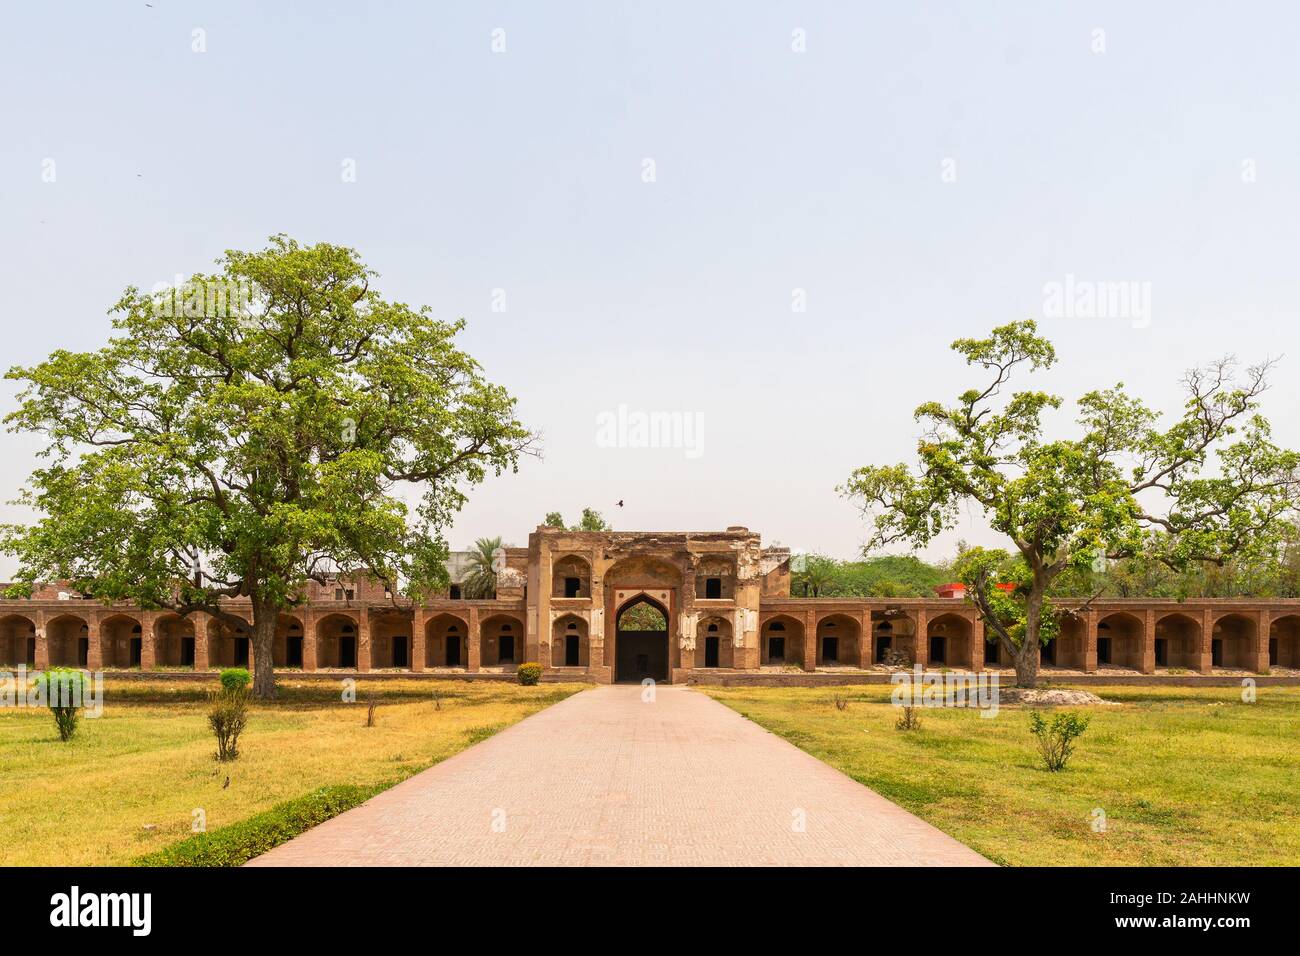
x: 782, y: 639
x: 501, y: 642
x: 569, y: 644
x: 1119, y: 641
x: 1178, y: 642
x: 1232, y: 642
x: 336, y: 642
x: 713, y: 643
x: 837, y: 641
x: 17, y: 641
x: 446, y: 642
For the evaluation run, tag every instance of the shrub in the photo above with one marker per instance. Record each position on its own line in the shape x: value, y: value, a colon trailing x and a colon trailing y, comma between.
x: 1056, y: 740
x: 227, y: 716
x: 235, y: 678
x: 529, y: 674
x: 909, y: 719
x: 64, y: 690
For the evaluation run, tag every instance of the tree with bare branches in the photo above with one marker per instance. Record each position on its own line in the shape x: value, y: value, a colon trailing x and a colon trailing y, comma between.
x: 1210, y: 486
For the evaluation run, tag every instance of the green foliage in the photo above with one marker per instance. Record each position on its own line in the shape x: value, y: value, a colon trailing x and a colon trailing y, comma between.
x: 1056, y: 739
x: 64, y: 690
x: 885, y: 576
x: 235, y: 845
x: 1209, y: 486
x: 235, y: 678
x: 642, y: 616
x: 228, y: 716
x: 591, y: 521
x: 529, y: 674
x: 247, y: 443
x: 485, y: 559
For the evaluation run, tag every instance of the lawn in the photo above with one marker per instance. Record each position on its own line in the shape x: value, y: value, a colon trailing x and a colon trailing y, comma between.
x: 130, y: 781
x: 1184, y: 776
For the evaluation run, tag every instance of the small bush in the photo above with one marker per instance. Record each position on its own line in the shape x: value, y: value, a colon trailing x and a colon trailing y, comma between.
x: 235, y: 678
x: 1056, y: 740
x: 371, y: 706
x: 228, y: 716
x: 529, y: 674
x: 909, y: 719
x: 64, y: 689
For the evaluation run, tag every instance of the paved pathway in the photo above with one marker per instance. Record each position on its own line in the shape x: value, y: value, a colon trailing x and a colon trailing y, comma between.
x: 603, y: 778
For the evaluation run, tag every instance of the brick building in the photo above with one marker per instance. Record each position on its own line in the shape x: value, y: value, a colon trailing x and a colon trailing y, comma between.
x: 725, y: 600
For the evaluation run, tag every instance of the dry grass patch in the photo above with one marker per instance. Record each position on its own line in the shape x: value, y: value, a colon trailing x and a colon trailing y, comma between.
x: 1185, y: 776
x: 130, y: 781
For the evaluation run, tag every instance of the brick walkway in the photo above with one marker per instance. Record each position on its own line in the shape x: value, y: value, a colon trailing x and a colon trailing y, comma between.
x: 603, y: 778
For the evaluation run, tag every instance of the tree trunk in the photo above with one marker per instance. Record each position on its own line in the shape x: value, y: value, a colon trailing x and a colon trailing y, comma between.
x: 1026, y: 659
x: 266, y: 614
x: 1027, y: 653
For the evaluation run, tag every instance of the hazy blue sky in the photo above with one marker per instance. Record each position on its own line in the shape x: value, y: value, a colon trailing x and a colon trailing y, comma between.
x: 1170, y: 159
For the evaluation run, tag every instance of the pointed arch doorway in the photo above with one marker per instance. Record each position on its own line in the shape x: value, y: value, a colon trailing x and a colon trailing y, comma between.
x: 641, y: 648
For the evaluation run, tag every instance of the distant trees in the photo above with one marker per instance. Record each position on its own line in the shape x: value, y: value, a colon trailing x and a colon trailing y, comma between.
x: 591, y: 521
x: 889, y: 576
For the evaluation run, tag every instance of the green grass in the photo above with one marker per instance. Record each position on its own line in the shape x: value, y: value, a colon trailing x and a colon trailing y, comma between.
x: 127, y: 786
x: 1185, y: 776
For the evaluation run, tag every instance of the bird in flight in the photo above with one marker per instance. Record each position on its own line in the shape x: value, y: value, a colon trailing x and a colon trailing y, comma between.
x: 620, y: 502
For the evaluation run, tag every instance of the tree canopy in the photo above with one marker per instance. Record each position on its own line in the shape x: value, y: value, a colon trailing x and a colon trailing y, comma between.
x: 1210, y: 486
x: 255, y: 429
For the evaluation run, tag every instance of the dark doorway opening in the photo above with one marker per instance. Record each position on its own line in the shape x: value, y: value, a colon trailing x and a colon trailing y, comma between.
x: 241, y: 651
x: 399, y: 652
x: 710, y: 652
x: 1103, y: 650
x: 938, y: 650
x: 641, y: 655
x: 713, y: 587
x: 453, y: 592
x: 1048, y: 653
x: 884, y: 643
x: 571, y: 656
x: 137, y: 650
x: 453, y: 650
x: 991, y: 653
x: 1162, y: 651
x: 347, y: 650
x: 506, y: 649
x: 31, y: 652
x: 83, y: 651
x: 293, y: 650
x: 1272, y: 650
x: 572, y: 586
x: 776, y: 649
x: 187, y: 652
x: 830, y: 650
x: 1216, y: 652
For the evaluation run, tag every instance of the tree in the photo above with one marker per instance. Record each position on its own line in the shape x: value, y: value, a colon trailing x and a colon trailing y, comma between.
x: 251, y: 431
x: 591, y: 521
x: 1210, y: 486
x: 485, y: 559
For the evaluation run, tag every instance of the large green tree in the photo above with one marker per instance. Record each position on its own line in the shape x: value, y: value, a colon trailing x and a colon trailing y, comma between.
x: 1208, y: 486
x: 270, y: 424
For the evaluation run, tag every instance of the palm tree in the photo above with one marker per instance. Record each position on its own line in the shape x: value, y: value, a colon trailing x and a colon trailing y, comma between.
x: 481, y: 582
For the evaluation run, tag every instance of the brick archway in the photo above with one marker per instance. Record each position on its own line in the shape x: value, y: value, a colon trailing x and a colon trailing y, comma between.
x: 642, y: 654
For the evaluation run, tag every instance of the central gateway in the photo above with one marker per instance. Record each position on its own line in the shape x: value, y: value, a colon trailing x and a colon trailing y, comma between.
x: 641, y: 643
